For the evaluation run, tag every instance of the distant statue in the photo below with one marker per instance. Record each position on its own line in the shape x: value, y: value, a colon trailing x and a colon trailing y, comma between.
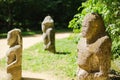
x: 94, y: 49
x: 14, y: 54
x: 48, y: 34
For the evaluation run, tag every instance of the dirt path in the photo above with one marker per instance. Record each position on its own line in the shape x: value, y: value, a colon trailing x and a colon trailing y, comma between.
x: 27, y: 75
x: 42, y: 76
x: 27, y: 42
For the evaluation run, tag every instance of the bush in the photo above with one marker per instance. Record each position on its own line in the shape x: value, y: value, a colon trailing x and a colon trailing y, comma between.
x: 110, y: 11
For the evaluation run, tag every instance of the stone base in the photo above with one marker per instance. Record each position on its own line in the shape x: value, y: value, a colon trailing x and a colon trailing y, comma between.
x: 84, y: 75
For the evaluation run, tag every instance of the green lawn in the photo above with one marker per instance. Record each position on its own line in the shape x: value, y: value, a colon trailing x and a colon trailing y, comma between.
x: 64, y: 63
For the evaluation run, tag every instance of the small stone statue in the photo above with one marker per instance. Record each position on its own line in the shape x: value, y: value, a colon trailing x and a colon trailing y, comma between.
x: 94, y: 49
x: 48, y: 34
x: 14, y: 54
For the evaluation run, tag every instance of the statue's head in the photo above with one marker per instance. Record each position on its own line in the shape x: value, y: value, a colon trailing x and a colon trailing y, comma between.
x: 92, y: 25
x: 48, y: 22
x: 14, y: 37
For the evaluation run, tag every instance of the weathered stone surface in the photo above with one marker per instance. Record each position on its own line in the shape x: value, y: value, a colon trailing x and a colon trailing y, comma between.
x: 14, y: 54
x: 94, y: 49
x: 48, y: 34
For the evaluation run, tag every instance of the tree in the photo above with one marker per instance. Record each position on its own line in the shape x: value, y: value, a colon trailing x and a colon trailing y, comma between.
x: 28, y: 14
x: 7, y: 13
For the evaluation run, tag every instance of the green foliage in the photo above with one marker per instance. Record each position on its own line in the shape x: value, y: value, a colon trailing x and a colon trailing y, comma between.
x: 110, y: 11
x: 75, y: 37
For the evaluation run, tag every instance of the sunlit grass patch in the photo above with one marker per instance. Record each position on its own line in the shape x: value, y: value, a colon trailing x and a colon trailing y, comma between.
x: 115, y: 65
x: 62, y: 63
x: 2, y: 63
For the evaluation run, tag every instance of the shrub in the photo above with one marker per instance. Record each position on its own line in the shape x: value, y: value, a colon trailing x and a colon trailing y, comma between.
x: 110, y: 11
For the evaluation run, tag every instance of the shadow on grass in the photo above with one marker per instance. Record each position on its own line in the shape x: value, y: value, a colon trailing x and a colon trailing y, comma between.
x: 63, y: 53
x: 26, y: 78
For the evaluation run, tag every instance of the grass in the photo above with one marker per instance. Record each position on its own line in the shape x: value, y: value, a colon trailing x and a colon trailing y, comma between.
x: 116, y: 65
x: 2, y: 64
x: 37, y: 60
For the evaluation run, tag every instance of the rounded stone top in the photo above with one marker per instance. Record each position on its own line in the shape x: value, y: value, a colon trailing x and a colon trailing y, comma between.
x: 94, y: 20
x: 92, y: 17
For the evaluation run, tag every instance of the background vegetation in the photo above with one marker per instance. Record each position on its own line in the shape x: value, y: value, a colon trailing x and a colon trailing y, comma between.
x: 28, y: 14
x: 110, y: 11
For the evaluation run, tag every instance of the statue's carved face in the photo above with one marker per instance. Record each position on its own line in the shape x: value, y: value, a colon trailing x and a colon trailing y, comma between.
x: 85, y: 29
x: 47, y: 23
x: 88, y: 29
x: 14, y: 37
x: 91, y: 25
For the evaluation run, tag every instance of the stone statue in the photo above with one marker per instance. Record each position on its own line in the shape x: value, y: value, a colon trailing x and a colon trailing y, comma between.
x: 48, y: 34
x: 14, y: 54
x: 94, y: 49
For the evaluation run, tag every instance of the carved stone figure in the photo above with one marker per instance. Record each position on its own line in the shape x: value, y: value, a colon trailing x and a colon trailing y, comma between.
x: 14, y: 54
x: 48, y: 34
x: 94, y: 49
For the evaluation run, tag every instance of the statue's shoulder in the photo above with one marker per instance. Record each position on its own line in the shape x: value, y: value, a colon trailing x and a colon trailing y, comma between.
x: 104, y: 42
x: 105, y: 39
x: 15, y: 48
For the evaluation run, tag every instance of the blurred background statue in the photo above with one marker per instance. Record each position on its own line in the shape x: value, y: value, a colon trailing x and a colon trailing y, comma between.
x: 48, y: 34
